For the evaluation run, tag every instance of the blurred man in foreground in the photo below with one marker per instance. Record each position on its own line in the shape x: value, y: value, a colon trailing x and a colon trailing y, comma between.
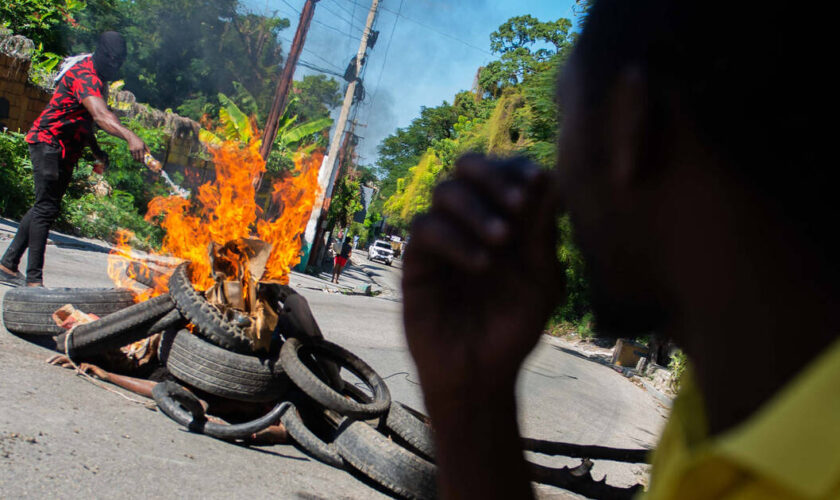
x: 690, y: 163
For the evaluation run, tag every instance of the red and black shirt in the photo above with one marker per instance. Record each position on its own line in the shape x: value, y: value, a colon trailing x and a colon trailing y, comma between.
x: 65, y: 122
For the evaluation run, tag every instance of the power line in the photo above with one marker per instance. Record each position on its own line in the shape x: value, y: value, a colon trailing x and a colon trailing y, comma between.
x: 342, y: 33
x: 352, y: 14
x: 385, y: 59
x: 447, y: 35
x: 291, y: 7
x: 319, y: 69
x: 350, y: 22
x: 310, y: 52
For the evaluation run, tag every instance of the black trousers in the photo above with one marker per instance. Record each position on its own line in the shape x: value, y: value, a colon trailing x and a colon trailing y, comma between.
x: 52, y: 176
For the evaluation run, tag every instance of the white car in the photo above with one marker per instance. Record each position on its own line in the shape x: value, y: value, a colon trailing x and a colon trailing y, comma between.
x: 381, y: 250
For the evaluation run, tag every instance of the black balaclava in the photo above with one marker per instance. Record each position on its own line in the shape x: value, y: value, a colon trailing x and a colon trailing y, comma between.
x: 110, y: 55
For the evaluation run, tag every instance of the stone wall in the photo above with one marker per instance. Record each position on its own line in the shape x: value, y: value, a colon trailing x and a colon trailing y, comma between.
x: 20, y: 101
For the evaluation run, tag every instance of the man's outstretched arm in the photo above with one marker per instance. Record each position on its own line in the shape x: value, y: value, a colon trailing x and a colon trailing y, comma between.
x: 109, y: 122
x: 481, y: 278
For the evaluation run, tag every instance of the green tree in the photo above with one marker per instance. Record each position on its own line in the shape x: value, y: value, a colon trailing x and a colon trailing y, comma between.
x: 346, y: 201
x: 45, y: 22
x: 402, y: 150
x: 526, y: 46
x: 317, y: 96
x: 188, y: 50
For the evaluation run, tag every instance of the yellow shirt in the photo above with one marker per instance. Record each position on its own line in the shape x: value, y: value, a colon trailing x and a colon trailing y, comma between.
x: 789, y: 449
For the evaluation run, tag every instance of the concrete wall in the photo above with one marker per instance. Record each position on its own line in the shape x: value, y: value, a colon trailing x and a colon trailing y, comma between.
x: 25, y: 101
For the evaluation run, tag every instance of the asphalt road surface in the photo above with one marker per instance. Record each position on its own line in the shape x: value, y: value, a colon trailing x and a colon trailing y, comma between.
x: 63, y: 437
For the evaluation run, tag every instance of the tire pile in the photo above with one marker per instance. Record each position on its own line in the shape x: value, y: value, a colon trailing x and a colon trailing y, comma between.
x: 298, y: 382
x: 333, y: 421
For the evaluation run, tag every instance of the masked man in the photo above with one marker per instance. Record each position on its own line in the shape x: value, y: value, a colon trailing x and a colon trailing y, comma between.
x: 56, y: 141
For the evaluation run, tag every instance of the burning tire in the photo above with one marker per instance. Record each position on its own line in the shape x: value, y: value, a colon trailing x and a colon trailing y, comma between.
x: 385, y: 462
x: 145, y: 275
x: 220, y: 372
x: 29, y: 310
x: 316, y: 389
x: 123, y: 327
x: 412, y: 427
x: 209, y: 321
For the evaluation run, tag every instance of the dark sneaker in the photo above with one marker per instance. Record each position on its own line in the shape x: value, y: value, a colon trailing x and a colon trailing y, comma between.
x: 9, y: 279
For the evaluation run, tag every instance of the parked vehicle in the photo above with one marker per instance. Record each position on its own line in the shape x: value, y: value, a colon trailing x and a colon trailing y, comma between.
x: 381, y: 250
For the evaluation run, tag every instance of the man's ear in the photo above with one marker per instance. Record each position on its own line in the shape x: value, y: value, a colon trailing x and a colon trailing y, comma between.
x: 627, y: 129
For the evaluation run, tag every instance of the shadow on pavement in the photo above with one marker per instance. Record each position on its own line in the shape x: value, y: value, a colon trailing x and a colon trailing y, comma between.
x: 59, y: 240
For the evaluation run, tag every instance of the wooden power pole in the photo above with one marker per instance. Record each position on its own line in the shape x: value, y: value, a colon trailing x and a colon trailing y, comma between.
x: 281, y: 94
x: 327, y: 173
x: 332, y: 156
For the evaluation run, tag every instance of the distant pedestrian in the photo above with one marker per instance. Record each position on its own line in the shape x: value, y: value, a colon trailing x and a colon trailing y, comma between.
x: 341, y: 260
x: 56, y: 141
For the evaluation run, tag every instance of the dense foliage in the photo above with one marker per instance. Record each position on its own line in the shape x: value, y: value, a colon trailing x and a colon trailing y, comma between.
x: 16, y: 186
x: 208, y: 59
x: 86, y: 210
x: 513, y: 112
x: 46, y: 22
x: 183, y: 52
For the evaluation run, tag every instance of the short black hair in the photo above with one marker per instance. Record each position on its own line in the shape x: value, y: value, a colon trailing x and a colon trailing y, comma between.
x: 744, y: 73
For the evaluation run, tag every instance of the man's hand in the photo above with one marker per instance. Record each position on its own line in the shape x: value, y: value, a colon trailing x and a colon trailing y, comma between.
x: 481, y: 275
x: 137, y: 147
x: 109, y: 122
x: 481, y: 278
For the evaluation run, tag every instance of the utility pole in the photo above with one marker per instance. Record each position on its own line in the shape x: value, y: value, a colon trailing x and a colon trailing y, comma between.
x: 341, y: 161
x: 327, y: 173
x: 281, y: 94
x: 348, y: 100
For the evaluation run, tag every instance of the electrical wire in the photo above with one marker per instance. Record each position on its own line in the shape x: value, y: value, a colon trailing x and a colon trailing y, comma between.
x: 385, y: 59
x: 352, y: 14
x: 338, y: 16
x: 319, y: 69
x: 335, y: 67
x: 447, y: 35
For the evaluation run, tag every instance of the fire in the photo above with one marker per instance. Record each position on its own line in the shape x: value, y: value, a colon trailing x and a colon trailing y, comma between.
x: 225, y: 210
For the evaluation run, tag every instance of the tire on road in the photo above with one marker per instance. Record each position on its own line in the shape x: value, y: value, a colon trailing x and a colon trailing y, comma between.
x: 308, y: 441
x: 121, y: 328
x: 296, y: 320
x: 318, y: 390
x: 217, y: 371
x: 209, y: 321
x: 29, y: 310
x: 184, y: 408
x: 386, y: 462
x: 413, y: 428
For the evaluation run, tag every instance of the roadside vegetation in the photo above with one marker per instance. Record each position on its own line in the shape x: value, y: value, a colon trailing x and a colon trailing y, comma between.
x: 226, y: 85
x: 512, y: 111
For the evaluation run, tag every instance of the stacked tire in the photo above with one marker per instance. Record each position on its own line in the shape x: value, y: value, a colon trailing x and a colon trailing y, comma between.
x: 332, y: 420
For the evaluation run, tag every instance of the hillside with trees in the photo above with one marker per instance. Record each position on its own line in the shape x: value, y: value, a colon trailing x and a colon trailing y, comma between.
x: 513, y: 111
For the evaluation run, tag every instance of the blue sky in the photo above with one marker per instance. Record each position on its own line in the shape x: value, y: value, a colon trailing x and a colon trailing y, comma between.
x: 436, y: 48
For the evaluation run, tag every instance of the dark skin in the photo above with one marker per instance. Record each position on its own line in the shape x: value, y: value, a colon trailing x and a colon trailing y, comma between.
x: 109, y: 122
x: 674, y: 244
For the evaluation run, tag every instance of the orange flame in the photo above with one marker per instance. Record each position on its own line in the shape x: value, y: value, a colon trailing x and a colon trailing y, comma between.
x: 226, y: 209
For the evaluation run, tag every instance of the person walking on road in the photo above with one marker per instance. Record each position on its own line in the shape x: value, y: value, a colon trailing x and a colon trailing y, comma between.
x: 56, y: 141
x: 697, y: 173
x: 341, y: 260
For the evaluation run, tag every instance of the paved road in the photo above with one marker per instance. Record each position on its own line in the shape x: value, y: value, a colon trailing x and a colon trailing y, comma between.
x: 61, y: 436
